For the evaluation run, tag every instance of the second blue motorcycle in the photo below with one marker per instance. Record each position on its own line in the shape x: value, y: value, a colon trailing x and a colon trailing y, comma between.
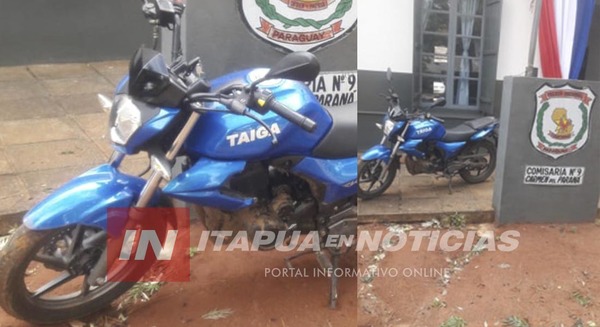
x: 467, y: 150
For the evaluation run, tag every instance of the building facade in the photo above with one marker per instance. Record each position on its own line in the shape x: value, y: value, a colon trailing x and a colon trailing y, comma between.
x: 457, y: 49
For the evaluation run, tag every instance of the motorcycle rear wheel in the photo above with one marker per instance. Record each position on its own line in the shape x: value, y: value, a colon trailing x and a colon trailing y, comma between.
x: 369, y: 173
x: 488, y: 150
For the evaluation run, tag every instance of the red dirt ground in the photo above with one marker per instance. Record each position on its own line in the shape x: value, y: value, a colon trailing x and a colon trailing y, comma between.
x: 535, y: 282
x: 236, y: 281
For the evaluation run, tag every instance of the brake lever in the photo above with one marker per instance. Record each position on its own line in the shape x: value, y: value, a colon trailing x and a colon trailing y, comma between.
x: 251, y: 115
x: 240, y: 108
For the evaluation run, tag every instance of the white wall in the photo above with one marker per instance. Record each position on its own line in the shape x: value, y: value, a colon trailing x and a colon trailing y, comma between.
x: 385, y: 35
x: 515, y: 33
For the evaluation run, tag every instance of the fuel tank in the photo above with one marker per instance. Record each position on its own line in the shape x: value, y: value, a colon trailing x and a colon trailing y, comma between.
x: 425, y: 129
x: 226, y: 136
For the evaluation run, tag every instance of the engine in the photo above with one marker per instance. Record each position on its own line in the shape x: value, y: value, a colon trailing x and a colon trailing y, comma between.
x: 284, y: 202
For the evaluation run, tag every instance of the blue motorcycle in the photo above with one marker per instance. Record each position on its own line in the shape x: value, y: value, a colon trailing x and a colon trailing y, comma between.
x: 468, y: 150
x: 256, y: 152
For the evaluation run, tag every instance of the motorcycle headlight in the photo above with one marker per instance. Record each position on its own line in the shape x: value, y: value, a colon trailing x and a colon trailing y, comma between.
x: 126, y: 119
x: 388, y: 126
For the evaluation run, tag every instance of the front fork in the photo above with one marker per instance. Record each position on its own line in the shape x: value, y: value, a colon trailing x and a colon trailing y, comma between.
x: 97, y: 274
x: 157, y: 176
x: 386, y: 165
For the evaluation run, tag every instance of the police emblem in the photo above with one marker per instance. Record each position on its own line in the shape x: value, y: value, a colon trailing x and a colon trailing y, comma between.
x: 299, y: 25
x: 562, y: 120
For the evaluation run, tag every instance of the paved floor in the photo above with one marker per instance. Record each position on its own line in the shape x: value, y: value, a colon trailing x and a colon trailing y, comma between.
x: 423, y: 197
x: 52, y: 128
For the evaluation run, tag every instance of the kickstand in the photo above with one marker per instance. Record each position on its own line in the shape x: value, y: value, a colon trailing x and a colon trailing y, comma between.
x: 332, y: 266
x: 450, y: 184
x: 333, y: 294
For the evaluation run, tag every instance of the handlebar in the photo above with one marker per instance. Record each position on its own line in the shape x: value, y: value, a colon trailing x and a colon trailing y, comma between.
x: 238, y: 99
x: 419, y: 115
x: 265, y: 99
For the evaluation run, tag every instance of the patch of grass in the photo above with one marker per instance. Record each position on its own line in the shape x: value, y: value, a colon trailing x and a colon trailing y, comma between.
x: 217, y: 314
x: 454, y: 221
x: 193, y: 252
x: 140, y: 292
x: 108, y: 320
x: 454, y: 321
x: 438, y: 304
x: 583, y: 300
x: 4, y: 239
x: 514, y: 321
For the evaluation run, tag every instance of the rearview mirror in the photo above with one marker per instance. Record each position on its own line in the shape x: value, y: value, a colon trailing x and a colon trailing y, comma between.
x: 161, y: 11
x: 439, y: 102
x: 298, y: 66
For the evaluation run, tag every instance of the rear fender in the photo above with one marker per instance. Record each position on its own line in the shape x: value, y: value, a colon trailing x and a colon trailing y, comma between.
x: 480, y: 135
x: 85, y: 200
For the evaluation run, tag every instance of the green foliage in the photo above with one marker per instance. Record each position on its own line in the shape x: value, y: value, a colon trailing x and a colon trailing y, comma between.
x: 454, y: 221
x: 140, y: 292
x: 454, y: 321
x: 217, y: 314
x: 437, y: 303
x: 583, y: 300
x: 514, y: 321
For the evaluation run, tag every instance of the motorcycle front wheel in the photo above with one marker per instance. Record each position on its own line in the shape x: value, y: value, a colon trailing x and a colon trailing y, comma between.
x: 44, y: 275
x: 371, y: 183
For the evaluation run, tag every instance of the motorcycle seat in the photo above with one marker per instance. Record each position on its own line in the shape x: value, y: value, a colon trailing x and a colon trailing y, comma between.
x: 464, y: 131
x: 482, y: 122
x: 459, y: 133
x: 340, y: 141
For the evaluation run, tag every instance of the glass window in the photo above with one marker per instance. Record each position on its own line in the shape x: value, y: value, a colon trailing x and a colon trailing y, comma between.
x: 432, y: 88
x: 466, y: 67
x: 451, y: 44
x: 439, y: 4
x: 469, y: 97
x: 435, y: 44
x: 474, y: 47
x: 437, y: 22
x: 469, y: 25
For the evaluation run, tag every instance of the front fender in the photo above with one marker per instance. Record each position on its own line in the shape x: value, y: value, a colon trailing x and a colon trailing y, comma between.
x: 85, y: 200
x: 377, y: 152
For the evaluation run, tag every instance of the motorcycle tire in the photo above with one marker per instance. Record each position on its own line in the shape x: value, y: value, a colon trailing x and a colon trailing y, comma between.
x: 364, y: 168
x: 18, y: 301
x: 490, y: 148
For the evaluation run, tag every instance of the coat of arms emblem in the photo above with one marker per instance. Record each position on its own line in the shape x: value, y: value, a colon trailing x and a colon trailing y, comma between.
x: 299, y: 25
x: 562, y: 120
